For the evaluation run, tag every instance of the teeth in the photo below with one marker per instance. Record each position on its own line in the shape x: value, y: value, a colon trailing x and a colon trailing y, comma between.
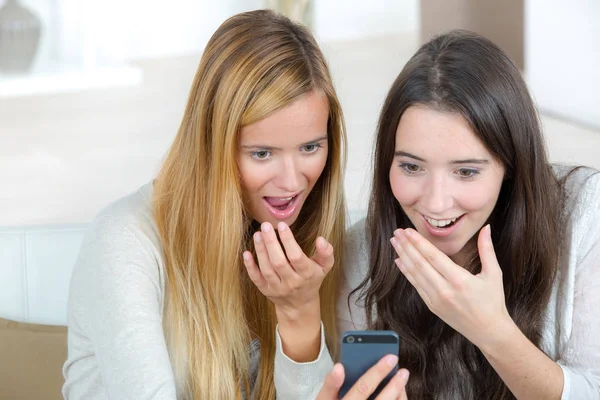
x: 440, y: 223
x: 284, y: 198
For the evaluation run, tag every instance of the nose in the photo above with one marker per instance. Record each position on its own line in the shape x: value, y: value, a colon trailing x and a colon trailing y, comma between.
x: 437, y: 196
x: 289, y: 175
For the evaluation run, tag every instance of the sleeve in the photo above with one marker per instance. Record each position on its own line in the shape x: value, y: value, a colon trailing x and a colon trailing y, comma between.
x: 116, y: 299
x: 580, y: 360
x: 300, y: 381
x: 304, y: 380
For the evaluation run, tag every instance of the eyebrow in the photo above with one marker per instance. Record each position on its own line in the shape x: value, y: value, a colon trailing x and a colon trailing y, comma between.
x: 465, y: 161
x: 258, y: 146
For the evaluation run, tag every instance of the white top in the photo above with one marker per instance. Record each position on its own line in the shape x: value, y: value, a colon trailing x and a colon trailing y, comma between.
x: 571, y: 335
x: 116, y: 344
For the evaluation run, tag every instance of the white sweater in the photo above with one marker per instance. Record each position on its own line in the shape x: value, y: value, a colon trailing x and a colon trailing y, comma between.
x: 116, y: 342
x: 116, y: 345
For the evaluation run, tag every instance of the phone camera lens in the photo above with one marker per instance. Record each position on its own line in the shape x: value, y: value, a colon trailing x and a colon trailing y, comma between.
x: 350, y: 339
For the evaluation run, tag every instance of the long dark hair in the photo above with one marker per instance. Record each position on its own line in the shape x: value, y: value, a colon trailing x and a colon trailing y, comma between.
x: 465, y: 73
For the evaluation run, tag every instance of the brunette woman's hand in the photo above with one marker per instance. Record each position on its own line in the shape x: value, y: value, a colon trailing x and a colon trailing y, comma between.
x: 366, y: 385
x: 474, y: 305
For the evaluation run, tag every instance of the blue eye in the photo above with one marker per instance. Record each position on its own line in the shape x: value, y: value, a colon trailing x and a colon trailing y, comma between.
x: 409, y: 168
x: 261, y: 154
x: 467, y: 173
x: 311, y: 147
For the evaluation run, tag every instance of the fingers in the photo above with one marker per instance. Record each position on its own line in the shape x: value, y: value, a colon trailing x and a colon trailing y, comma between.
x: 300, y: 262
x: 324, y: 254
x: 429, y: 253
x: 368, y: 382
x: 414, y: 282
x: 263, y: 260
x: 276, y: 258
x: 292, y: 265
x: 424, y: 274
x: 254, y: 272
x: 333, y: 383
x: 396, y: 387
x: 487, y: 254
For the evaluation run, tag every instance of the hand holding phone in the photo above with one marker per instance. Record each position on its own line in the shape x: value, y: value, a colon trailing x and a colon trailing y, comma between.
x: 394, y: 390
x: 361, y: 350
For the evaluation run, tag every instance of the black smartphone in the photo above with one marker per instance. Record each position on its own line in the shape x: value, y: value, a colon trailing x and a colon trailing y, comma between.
x: 363, y: 349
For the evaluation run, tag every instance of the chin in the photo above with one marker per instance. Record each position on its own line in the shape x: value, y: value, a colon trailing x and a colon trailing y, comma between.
x: 448, y: 248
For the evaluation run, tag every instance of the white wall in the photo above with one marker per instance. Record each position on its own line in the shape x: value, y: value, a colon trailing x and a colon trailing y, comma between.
x: 562, y: 57
x: 132, y: 29
x: 110, y: 31
x: 351, y: 19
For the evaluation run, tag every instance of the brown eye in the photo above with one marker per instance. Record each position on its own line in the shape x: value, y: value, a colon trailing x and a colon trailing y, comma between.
x: 410, y: 168
x: 467, y: 173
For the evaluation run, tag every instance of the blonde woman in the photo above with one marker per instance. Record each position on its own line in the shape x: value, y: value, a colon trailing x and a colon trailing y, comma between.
x: 182, y: 289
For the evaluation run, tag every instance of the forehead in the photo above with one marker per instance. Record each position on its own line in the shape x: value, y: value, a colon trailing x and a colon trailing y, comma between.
x: 437, y: 134
x: 300, y: 122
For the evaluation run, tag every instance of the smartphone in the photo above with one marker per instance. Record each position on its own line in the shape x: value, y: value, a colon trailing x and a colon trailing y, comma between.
x: 363, y: 349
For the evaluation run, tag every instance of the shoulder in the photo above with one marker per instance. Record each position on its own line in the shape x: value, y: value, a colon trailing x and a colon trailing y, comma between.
x: 129, y: 219
x: 122, y: 242
x: 581, y: 188
x: 356, y: 234
x: 581, y: 184
x: 356, y: 253
x: 133, y: 211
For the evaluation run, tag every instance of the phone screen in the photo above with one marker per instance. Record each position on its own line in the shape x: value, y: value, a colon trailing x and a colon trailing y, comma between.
x: 363, y: 349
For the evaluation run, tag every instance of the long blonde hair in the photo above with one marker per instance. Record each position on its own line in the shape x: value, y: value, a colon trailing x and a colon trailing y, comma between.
x: 255, y: 63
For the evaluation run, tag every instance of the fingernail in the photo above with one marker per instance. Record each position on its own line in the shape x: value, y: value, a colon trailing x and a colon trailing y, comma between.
x: 488, y: 232
x: 246, y: 256
x: 404, y: 374
x: 391, y: 360
x: 399, y: 263
x: 394, y: 242
x: 398, y: 232
x: 266, y: 227
x: 321, y: 242
x: 409, y: 232
x: 281, y: 226
x: 257, y: 237
x: 337, y: 369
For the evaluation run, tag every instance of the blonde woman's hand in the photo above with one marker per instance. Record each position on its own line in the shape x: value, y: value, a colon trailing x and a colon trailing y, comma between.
x: 473, y: 305
x: 366, y: 385
x: 291, y: 280
x: 287, y: 276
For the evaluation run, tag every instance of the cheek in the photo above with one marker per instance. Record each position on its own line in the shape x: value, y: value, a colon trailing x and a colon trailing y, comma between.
x: 314, y: 168
x: 405, y: 190
x: 251, y: 176
x: 479, y: 198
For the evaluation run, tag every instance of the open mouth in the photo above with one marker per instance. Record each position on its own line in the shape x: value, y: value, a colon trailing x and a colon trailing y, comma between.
x: 283, y: 208
x: 280, y: 203
x: 442, y: 223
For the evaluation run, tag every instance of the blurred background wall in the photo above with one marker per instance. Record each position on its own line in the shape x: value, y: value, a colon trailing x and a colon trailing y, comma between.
x: 93, y: 117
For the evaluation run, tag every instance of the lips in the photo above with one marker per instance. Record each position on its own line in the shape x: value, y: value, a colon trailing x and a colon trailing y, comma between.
x: 443, y: 227
x: 279, y: 202
x: 282, y: 208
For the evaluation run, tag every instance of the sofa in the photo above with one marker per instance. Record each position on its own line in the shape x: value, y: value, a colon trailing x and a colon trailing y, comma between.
x: 35, y: 269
